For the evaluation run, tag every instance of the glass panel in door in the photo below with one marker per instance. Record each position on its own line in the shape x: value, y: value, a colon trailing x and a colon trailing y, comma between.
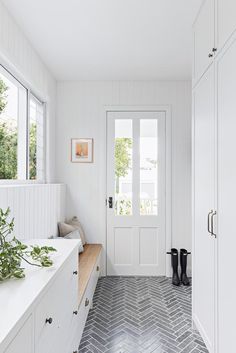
x: 123, y: 167
x: 148, y: 166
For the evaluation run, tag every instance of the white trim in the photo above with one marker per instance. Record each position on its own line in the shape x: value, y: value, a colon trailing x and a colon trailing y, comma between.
x: 13, y: 71
x: 196, y: 323
x: 168, y: 112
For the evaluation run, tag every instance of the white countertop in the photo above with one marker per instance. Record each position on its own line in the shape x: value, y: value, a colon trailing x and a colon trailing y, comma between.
x: 17, y: 295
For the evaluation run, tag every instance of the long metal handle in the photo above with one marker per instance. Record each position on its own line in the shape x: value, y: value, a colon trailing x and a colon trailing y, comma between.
x: 212, y: 224
x: 208, y: 222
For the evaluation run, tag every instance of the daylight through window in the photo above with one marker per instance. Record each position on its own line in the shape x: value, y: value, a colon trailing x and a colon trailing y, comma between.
x: 21, y: 131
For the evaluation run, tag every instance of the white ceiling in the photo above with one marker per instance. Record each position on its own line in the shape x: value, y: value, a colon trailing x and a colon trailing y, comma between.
x: 110, y: 39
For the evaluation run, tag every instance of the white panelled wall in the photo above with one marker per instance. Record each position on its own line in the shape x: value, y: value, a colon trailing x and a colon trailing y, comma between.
x: 17, y: 55
x: 81, y: 113
x: 36, y: 208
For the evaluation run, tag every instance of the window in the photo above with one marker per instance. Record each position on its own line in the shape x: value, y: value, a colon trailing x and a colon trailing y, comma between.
x: 21, y: 131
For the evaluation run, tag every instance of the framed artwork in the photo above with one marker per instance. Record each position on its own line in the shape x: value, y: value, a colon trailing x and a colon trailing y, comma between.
x: 82, y: 150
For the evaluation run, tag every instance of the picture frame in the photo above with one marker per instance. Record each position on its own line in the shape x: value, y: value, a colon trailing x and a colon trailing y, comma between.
x: 82, y: 150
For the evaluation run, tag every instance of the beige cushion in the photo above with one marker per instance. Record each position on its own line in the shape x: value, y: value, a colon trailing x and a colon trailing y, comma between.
x: 74, y: 222
x: 65, y: 229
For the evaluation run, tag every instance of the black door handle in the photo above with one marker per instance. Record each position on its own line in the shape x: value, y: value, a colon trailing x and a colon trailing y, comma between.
x: 110, y: 202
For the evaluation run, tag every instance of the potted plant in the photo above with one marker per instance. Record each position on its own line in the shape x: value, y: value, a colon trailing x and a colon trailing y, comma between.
x: 13, y: 252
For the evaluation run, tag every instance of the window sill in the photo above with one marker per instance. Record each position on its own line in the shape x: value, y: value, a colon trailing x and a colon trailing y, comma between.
x: 20, y: 182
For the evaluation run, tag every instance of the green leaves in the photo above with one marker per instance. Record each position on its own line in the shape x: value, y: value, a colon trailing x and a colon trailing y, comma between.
x: 13, y: 252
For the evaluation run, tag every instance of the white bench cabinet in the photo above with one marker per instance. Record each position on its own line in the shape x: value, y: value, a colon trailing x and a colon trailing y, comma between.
x: 38, y: 313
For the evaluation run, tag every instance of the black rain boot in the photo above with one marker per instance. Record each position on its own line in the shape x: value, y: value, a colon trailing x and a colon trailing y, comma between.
x: 183, y: 264
x: 174, y: 263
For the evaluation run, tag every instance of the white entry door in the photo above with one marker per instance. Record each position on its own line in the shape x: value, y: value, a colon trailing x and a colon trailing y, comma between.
x: 136, y: 193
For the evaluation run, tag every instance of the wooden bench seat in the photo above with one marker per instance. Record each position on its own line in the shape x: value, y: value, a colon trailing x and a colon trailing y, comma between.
x: 87, y: 261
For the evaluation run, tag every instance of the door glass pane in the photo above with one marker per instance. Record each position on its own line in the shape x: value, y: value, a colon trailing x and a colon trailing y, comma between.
x: 148, y: 166
x: 123, y: 167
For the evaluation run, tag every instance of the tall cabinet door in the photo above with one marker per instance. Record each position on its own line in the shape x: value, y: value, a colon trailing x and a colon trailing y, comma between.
x: 204, y: 39
x: 203, y: 203
x: 226, y: 72
x: 226, y: 20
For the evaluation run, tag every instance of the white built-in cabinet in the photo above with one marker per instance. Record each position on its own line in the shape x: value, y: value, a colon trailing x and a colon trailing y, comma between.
x: 39, y: 314
x: 214, y: 177
x: 204, y: 41
x: 204, y: 206
x: 225, y: 17
x: 214, y: 25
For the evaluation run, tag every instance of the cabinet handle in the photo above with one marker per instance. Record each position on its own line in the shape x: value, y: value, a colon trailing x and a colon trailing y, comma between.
x: 210, y: 55
x: 86, y: 302
x: 75, y: 312
x: 212, y: 224
x: 214, y: 50
x: 98, y: 268
x: 208, y: 222
x: 49, y: 321
x: 75, y: 273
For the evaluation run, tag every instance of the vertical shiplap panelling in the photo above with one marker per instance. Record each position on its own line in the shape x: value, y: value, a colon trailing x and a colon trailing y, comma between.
x: 36, y: 208
x: 81, y: 113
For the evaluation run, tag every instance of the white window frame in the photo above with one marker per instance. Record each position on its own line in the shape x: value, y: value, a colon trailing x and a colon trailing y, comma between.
x: 29, y: 92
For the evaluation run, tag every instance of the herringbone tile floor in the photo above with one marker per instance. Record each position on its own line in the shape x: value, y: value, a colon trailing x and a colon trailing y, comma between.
x: 140, y: 315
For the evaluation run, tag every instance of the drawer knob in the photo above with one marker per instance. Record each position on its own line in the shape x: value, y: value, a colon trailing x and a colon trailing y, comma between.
x: 98, y: 268
x: 210, y: 55
x: 214, y: 50
x: 75, y: 273
x: 86, y: 302
x: 49, y: 321
x: 75, y: 312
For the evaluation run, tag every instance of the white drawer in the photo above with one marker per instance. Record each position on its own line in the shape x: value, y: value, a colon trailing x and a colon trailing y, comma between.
x: 54, y: 313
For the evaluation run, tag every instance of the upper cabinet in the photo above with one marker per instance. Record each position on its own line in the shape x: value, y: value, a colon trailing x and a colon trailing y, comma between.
x: 214, y: 25
x: 226, y: 20
x: 204, y: 39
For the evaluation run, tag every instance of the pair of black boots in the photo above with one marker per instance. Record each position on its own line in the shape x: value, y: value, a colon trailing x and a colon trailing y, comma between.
x: 183, y: 264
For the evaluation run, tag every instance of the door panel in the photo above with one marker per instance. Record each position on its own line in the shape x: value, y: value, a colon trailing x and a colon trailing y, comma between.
x: 204, y: 176
x: 203, y: 38
x: 226, y: 71
x: 148, y: 240
x: 136, y: 183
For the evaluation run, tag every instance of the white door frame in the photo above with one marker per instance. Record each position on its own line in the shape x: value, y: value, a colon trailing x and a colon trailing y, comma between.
x: 168, y: 212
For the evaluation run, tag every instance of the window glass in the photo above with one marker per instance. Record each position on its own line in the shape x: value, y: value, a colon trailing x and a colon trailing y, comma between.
x: 21, y: 131
x: 123, y: 167
x: 148, y: 166
x: 36, y: 139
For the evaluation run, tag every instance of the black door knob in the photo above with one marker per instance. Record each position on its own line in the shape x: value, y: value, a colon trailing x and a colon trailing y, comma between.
x: 75, y: 312
x: 75, y: 273
x: 214, y: 50
x: 210, y: 55
x: 49, y: 321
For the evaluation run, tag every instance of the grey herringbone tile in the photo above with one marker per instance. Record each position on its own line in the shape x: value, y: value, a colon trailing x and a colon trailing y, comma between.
x: 140, y: 315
